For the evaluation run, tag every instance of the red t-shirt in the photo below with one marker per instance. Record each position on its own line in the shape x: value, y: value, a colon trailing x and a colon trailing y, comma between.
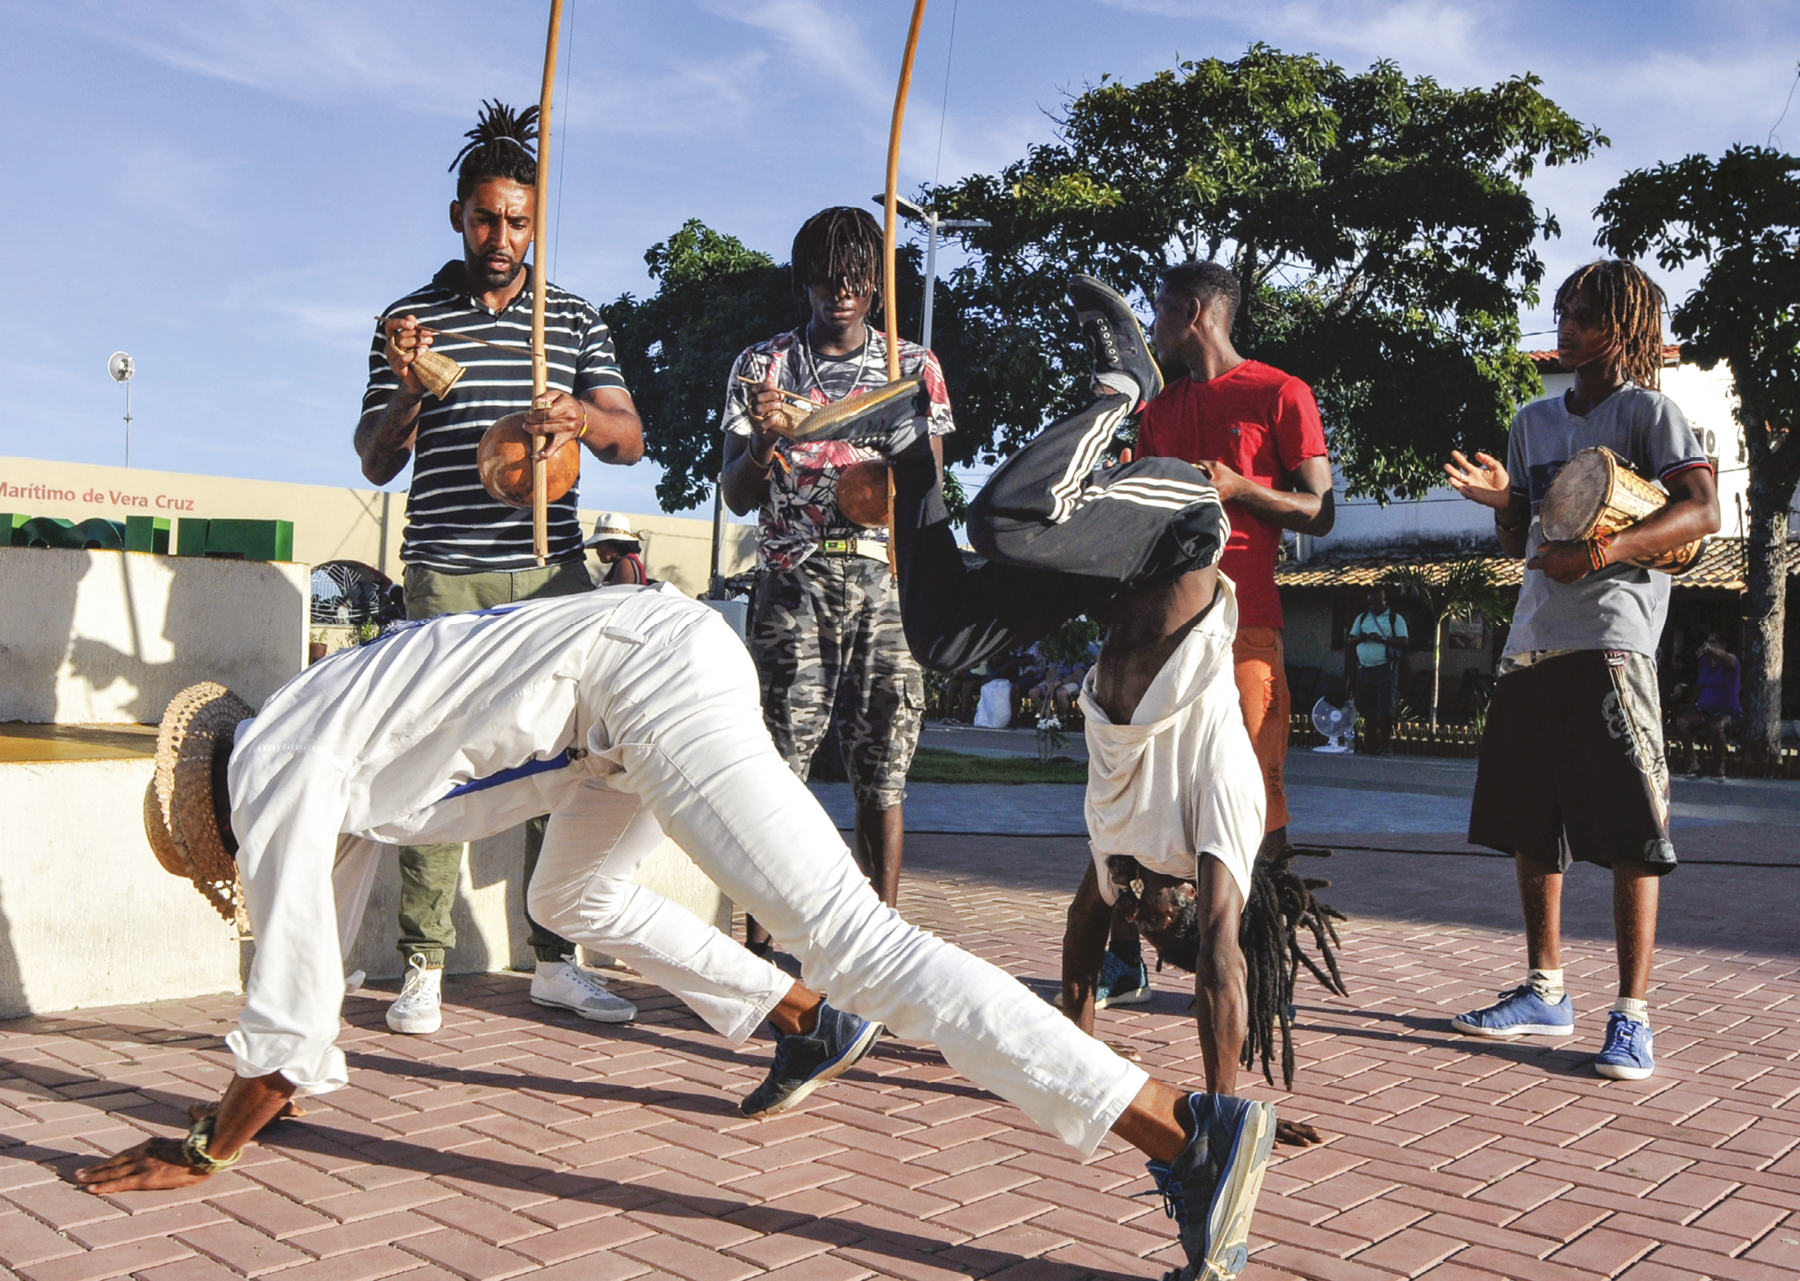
x: 1262, y: 424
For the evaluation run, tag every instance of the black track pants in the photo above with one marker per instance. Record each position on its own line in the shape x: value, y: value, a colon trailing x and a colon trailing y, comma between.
x: 1059, y: 538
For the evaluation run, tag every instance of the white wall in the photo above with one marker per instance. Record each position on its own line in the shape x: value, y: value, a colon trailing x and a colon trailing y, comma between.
x: 109, y: 637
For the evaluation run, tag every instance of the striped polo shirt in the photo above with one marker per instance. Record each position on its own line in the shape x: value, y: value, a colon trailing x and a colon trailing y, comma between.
x: 452, y: 523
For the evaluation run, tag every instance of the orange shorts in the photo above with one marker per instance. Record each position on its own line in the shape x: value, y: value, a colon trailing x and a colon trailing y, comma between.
x: 1263, y: 693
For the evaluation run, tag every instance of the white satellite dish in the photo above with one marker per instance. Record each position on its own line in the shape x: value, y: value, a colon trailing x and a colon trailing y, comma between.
x: 120, y: 367
x: 1337, y: 724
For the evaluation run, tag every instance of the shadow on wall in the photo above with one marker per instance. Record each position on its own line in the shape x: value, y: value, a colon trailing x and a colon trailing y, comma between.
x: 101, y: 636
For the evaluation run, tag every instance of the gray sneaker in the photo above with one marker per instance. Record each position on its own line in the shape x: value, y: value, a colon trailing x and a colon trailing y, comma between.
x: 804, y: 1063
x: 1210, y: 1190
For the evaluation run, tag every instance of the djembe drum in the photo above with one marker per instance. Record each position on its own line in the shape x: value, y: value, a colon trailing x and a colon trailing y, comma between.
x: 1597, y: 494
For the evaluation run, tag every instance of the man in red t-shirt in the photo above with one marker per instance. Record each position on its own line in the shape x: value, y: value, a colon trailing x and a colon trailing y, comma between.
x: 1257, y: 430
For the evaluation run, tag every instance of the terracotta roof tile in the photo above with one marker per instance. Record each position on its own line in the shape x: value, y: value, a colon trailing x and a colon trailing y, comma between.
x: 1547, y: 363
x: 1721, y: 568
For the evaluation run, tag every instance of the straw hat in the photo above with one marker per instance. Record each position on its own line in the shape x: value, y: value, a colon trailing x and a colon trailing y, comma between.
x: 613, y: 529
x: 179, y: 818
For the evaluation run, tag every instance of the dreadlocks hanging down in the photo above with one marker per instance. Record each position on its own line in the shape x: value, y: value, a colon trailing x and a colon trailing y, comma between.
x: 1281, y: 904
x: 838, y: 246
x: 501, y: 145
x: 1632, y: 304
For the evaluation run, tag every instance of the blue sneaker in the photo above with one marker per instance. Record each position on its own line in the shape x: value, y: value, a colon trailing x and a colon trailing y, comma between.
x: 1520, y: 1012
x: 1121, y: 983
x: 1210, y: 1189
x: 1626, y: 1055
x: 804, y: 1063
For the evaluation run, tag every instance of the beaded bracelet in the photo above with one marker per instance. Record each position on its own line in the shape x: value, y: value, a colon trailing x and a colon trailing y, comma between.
x: 193, y: 1149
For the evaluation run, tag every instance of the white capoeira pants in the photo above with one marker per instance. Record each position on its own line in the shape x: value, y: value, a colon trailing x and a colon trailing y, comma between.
x: 673, y: 724
x: 682, y: 714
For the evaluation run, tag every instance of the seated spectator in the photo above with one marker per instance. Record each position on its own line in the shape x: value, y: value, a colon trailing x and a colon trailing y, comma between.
x: 1715, y: 706
x: 618, y: 550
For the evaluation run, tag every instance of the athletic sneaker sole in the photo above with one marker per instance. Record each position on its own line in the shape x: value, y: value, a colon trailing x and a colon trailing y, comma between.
x: 1137, y: 996
x: 1228, y: 1229
x: 1507, y: 1034
x: 605, y: 1016
x: 832, y: 1068
x: 1134, y: 335
x: 1621, y: 1072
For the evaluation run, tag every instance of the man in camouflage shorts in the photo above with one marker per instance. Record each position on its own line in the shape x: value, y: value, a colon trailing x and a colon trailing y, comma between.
x: 826, y: 633
x: 837, y: 628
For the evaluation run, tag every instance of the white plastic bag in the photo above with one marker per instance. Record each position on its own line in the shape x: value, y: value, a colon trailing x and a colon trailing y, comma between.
x: 994, y: 711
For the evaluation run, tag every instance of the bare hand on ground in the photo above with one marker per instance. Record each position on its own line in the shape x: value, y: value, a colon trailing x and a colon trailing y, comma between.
x: 1484, y: 480
x: 152, y: 1166
x: 1296, y: 1134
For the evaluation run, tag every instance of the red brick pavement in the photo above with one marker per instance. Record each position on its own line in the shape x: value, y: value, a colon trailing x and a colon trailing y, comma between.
x: 513, y: 1144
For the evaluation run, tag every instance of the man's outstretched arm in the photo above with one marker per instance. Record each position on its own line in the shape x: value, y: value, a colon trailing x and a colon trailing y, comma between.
x: 1084, y: 948
x: 250, y: 1103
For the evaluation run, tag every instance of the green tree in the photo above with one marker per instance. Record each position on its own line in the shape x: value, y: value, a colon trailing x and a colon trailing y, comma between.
x: 1462, y: 589
x: 715, y: 297
x: 1379, y: 227
x: 1740, y: 216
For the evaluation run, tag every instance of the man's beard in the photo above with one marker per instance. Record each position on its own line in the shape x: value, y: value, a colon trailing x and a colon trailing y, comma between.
x: 485, y: 279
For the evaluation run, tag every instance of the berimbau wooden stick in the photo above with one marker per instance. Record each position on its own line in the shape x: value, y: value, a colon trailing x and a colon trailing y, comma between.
x: 540, y: 365
x: 890, y: 229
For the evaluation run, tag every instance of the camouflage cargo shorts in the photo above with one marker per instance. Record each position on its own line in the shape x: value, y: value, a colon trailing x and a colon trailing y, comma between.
x: 828, y: 645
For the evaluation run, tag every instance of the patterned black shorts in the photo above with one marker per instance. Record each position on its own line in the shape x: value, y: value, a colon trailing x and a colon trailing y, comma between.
x: 1572, y: 766
x: 829, y: 647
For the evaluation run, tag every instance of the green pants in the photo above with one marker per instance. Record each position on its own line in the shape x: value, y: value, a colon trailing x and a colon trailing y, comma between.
x: 429, y: 873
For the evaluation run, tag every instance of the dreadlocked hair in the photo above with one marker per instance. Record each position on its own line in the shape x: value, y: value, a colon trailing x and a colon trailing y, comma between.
x: 1632, y: 305
x: 1280, y: 905
x: 840, y: 245
x: 501, y: 145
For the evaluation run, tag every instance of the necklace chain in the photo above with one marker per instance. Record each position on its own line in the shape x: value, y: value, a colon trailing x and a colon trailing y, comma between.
x: 812, y: 365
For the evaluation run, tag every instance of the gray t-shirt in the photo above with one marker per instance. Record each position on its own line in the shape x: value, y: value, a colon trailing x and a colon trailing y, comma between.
x: 1621, y: 607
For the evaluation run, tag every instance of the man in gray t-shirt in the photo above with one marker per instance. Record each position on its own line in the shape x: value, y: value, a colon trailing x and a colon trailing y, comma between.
x: 1572, y: 764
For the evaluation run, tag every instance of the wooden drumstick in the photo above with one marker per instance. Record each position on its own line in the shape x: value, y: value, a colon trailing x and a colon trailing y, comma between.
x: 451, y: 333
x: 794, y: 396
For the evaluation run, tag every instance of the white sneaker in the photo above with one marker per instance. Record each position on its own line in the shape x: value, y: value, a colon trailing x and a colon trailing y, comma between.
x: 569, y: 987
x: 419, y: 1009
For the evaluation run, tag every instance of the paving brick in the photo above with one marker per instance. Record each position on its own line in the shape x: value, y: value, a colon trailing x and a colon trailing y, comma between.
x: 24, y: 1241
x: 467, y: 1256
x: 688, y: 1261
x: 114, y: 1261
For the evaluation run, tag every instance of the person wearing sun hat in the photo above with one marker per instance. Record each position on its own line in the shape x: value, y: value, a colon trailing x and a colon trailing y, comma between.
x: 619, y: 550
x: 624, y: 713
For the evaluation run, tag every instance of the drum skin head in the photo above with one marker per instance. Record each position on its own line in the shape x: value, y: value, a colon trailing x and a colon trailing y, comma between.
x: 1573, y: 503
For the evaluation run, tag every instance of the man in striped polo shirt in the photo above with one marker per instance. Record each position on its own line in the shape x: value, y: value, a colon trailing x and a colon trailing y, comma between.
x: 464, y: 549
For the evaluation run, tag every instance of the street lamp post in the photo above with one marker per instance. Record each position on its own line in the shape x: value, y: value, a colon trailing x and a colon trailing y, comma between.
x: 931, y: 222
x: 120, y: 367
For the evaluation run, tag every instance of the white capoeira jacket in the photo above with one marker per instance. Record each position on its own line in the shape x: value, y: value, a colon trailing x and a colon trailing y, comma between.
x: 455, y: 730
x: 1180, y: 780
x: 602, y: 710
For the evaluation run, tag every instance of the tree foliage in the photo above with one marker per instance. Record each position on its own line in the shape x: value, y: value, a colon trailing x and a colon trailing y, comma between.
x: 1740, y: 216
x: 1378, y: 225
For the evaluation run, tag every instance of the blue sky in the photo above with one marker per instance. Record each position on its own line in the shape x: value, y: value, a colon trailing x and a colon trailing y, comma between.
x: 229, y: 190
